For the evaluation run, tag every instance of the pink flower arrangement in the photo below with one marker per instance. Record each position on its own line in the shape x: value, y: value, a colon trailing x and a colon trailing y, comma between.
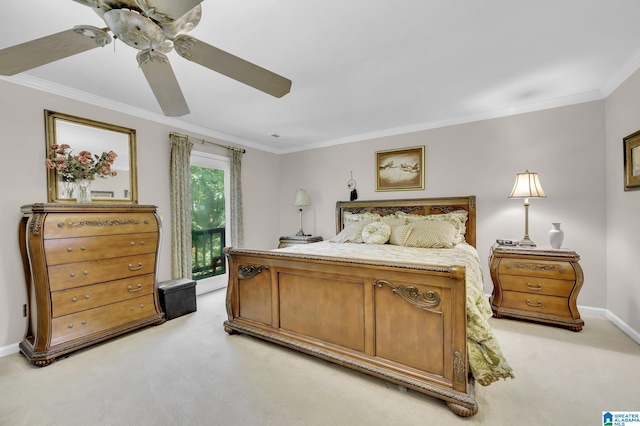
x: 71, y: 167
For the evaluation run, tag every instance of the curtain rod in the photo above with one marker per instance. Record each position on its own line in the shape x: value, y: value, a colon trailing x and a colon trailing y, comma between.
x: 203, y: 141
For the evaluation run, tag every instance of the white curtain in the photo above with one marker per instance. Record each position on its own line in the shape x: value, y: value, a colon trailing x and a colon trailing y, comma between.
x: 237, y: 225
x: 180, y: 193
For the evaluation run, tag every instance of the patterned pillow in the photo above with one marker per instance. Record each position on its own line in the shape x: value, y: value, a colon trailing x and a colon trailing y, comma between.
x: 393, y: 220
x: 457, y: 218
x: 352, y: 233
x: 348, y: 217
x: 376, y: 233
x: 426, y: 234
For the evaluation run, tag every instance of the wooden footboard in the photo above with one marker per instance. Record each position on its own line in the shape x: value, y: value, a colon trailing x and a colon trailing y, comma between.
x: 404, y: 324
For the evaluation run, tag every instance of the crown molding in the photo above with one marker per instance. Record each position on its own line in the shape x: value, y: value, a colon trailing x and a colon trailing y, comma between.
x: 499, y: 113
x: 621, y: 76
x: 78, y: 95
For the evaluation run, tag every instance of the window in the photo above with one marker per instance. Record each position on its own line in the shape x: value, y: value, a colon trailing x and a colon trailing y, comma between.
x: 209, y: 192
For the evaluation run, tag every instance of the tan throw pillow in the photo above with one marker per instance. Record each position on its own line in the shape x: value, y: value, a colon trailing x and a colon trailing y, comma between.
x: 425, y: 234
x: 352, y: 233
x: 457, y: 218
x: 376, y: 233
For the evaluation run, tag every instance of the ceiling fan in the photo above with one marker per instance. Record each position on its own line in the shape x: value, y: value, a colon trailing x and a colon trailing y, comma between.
x: 153, y: 27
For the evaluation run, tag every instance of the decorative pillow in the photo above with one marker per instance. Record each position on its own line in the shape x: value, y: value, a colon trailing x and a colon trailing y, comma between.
x: 425, y: 234
x: 393, y: 221
x: 352, y: 233
x: 457, y: 218
x: 348, y: 217
x: 376, y: 233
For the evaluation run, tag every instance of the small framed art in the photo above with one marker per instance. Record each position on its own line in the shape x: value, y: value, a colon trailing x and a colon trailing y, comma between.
x: 400, y: 169
x: 632, y: 161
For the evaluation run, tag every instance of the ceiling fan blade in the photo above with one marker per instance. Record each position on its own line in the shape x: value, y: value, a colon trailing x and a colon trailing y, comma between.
x: 231, y: 66
x: 172, y: 9
x: 159, y: 74
x: 34, y: 53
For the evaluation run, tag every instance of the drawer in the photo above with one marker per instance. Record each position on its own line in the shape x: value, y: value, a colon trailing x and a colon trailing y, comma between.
x: 104, y: 318
x: 551, y: 305
x: 537, y: 268
x: 91, y: 296
x: 70, y: 250
x: 536, y: 285
x: 62, y: 225
x: 71, y: 275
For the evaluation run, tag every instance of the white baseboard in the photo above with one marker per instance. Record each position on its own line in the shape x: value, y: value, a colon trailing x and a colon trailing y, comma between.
x: 9, y: 350
x: 624, y: 327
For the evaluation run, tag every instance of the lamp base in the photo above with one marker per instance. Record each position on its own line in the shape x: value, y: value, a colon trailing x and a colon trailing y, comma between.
x: 301, y: 233
x: 526, y: 242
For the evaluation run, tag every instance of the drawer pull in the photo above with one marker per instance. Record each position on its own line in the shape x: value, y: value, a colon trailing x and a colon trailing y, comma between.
x: 73, y: 274
x: 132, y: 308
x: 69, y: 249
x: 132, y: 243
x: 87, y: 296
x: 131, y: 267
x: 538, y: 286
x: 74, y: 299
x: 85, y: 272
x: 538, y: 304
x: 131, y: 289
x: 141, y: 306
x: 141, y: 243
x: 84, y: 322
x: 83, y: 248
x: 70, y: 326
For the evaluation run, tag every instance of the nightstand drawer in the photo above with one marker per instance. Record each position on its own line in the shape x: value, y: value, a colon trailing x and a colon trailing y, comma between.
x: 536, y: 285
x: 537, y: 268
x: 552, y: 305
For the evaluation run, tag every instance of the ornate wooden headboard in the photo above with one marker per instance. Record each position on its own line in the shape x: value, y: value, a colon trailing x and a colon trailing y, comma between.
x: 420, y: 206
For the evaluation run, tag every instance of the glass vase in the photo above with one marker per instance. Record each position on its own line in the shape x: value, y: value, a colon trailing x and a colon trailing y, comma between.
x: 83, y: 191
x: 66, y: 189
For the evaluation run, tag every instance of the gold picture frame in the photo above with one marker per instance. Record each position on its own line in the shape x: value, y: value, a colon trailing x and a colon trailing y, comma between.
x: 632, y: 161
x: 400, y: 169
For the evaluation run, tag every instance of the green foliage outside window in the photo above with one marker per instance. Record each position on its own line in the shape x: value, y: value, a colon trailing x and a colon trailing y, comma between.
x: 207, y: 222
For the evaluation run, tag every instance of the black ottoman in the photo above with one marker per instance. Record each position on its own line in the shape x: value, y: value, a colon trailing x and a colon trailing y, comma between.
x: 177, y: 297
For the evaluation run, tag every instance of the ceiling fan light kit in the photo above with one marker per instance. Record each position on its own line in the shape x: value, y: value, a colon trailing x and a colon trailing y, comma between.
x: 153, y: 27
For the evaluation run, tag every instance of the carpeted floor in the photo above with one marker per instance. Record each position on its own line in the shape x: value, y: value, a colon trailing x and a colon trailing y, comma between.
x: 188, y: 371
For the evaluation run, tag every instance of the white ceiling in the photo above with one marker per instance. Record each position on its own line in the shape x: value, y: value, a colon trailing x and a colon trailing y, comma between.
x: 360, y: 68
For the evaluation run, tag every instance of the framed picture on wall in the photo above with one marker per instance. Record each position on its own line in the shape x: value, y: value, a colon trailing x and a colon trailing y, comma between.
x: 632, y: 161
x: 400, y: 169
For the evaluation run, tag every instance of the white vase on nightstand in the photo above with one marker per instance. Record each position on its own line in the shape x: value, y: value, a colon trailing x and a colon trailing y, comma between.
x: 556, y: 235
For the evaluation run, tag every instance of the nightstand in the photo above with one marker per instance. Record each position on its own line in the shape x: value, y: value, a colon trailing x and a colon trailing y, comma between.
x: 537, y: 284
x: 295, y: 239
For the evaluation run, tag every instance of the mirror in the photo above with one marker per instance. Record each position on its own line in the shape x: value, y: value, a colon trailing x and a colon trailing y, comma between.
x: 82, y: 134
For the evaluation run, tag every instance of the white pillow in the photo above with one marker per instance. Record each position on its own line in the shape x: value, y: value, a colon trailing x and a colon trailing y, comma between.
x: 352, y: 233
x: 376, y: 233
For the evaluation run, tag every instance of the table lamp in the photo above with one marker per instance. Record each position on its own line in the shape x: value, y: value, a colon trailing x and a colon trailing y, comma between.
x: 527, y: 186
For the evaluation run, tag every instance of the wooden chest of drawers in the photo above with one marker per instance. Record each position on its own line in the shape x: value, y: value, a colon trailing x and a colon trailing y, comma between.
x: 536, y: 284
x: 90, y: 272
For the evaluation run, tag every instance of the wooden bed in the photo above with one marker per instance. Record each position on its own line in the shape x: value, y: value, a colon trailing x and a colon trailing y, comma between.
x: 403, y: 323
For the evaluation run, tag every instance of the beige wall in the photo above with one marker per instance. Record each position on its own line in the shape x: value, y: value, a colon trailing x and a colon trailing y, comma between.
x: 24, y: 182
x: 623, y: 237
x: 564, y: 145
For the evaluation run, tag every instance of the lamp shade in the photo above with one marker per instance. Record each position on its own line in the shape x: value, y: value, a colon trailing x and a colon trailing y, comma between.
x: 302, y: 199
x: 527, y: 185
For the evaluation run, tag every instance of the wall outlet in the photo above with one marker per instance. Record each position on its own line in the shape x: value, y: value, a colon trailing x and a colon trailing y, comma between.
x: 24, y: 310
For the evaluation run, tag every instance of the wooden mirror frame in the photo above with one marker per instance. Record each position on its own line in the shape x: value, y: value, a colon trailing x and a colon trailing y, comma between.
x: 52, y: 137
